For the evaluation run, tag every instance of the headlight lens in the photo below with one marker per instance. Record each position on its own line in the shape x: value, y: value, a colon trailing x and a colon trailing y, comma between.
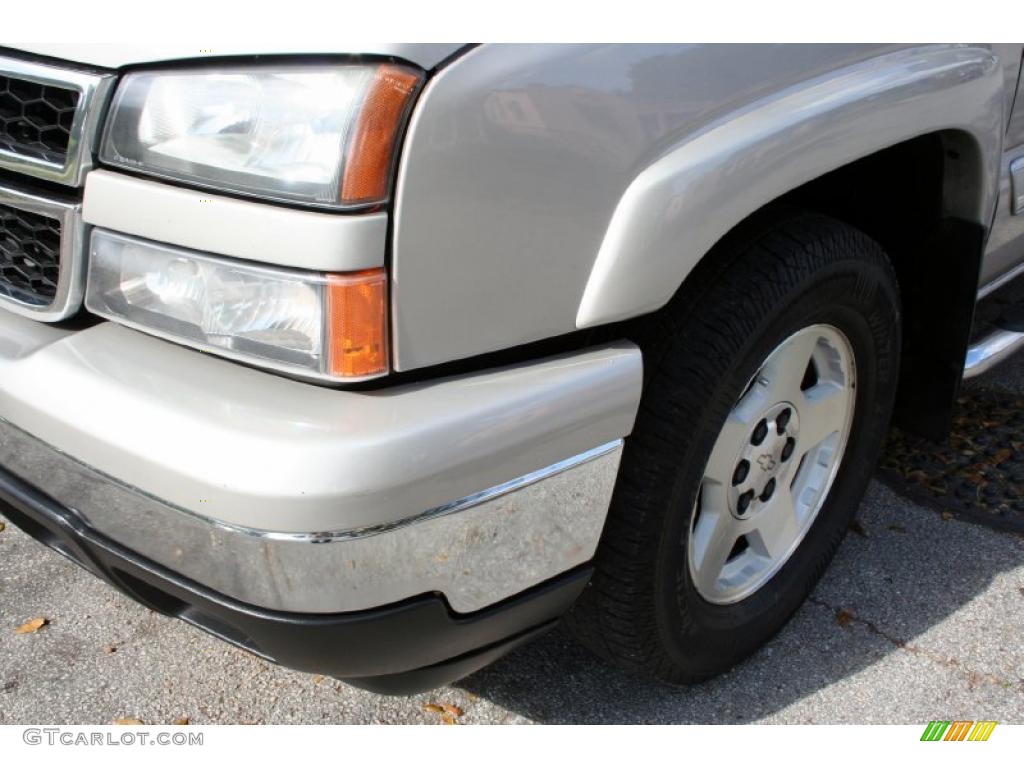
x: 322, y: 326
x: 321, y: 135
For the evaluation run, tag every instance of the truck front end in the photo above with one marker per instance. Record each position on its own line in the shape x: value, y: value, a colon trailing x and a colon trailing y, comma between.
x: 200, y: 399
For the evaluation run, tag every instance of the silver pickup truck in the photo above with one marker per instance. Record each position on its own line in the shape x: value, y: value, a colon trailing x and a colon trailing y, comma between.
x: 379, y: 362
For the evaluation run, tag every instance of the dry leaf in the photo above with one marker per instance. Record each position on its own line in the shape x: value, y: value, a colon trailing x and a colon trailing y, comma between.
x: 447, y: 719
x: 127, y: 721
x: 472, y: 696
x: 1001, y: 455
x: 453, y: 710
x: 180, y: 721
x: 318, y: 679
x: 897, y: 528
x: 32, y: 625
x: 109, y: 648
x: 857, y: 528
x: 2, y: 526
x: 843, y: 618
x: 947, y: 515
x: 433, y: 708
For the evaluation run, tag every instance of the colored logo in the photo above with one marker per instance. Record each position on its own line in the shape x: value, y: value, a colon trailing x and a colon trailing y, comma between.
x: 958, y: 730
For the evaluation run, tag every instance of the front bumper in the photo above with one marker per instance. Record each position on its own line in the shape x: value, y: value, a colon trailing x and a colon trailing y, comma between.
x: 282, y: 498
x: 411, y: 646
x: 474, y: 551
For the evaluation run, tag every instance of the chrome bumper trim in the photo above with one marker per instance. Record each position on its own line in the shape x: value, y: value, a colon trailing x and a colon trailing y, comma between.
x: 476, y: 551
x: 459, y: 505
x: 71, y: 279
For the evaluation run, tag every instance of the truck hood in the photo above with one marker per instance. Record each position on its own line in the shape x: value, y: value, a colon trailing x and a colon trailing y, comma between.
x: 115, y: 55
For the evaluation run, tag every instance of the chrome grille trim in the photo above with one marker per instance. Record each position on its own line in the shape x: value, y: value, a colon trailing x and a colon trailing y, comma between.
x: 71, y: 280
x: 93, y: 91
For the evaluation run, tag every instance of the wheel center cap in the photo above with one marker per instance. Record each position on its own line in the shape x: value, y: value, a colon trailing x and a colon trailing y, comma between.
x: 763, y: 460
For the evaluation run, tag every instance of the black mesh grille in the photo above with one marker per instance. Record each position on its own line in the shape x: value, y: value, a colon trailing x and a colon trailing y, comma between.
x: 35, y: 120
x: 29, y: 256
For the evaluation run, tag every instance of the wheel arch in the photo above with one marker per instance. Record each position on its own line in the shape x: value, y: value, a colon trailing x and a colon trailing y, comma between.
x: 675, y: 210
x: 904, y: 147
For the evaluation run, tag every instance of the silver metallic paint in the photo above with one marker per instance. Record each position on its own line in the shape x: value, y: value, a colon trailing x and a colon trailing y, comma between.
x: 523, y: 163
x: 1010, y: 54
x: 677, y: 209
x: 1017, y: 186
x: 1005, y: 248
x: 1003, y: 279
x: 262, y: 451
x: 225, y: 226
x: 475, y: 551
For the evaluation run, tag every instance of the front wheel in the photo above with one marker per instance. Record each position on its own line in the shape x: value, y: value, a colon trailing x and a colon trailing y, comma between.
x: 767, y: 397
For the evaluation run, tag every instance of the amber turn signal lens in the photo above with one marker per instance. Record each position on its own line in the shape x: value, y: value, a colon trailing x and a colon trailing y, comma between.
x: 371, y: 148
x: 357, y: 339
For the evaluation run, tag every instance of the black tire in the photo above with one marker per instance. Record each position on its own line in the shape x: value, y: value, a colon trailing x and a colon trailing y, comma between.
x: 641, y: 609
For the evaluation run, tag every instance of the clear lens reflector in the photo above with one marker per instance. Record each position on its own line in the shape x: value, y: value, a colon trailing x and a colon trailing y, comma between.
x: 291, y: 133
x: 324, y: 326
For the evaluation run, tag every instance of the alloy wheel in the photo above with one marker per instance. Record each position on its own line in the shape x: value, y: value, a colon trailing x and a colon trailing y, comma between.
x: 772, y: 464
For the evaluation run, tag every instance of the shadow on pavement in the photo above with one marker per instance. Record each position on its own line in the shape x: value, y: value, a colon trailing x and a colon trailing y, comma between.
x: 894, y: 585
x: 906, y: 570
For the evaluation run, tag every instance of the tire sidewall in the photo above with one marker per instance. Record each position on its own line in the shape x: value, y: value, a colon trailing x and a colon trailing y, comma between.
x: 858, y: 298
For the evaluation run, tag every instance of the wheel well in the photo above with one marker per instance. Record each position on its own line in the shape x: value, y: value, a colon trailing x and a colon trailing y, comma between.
x: 917, y: 199
x: 894, y: 195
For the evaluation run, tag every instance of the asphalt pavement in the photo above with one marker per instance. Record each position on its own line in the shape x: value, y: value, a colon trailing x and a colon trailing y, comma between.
x: 919, y: 618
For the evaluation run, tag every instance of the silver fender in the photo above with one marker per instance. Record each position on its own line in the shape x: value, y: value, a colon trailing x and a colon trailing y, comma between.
x: 682, y: 204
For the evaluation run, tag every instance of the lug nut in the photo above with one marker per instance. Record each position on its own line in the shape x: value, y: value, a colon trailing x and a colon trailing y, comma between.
x: 769, y: 489
x: 782, y: 421
x: 743, y: 502
x: 760, y: 432
x: 787, y: 449
x: 741, y: 472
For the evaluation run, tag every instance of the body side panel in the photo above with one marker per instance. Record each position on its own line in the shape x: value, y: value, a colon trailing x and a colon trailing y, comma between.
x: 1004, y: 254
x: 520, y: 159
x: 1006, y: 242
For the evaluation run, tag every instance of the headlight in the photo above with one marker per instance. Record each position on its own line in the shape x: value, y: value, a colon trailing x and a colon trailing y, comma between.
x: 321, y: 326
x: 322, y: 136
